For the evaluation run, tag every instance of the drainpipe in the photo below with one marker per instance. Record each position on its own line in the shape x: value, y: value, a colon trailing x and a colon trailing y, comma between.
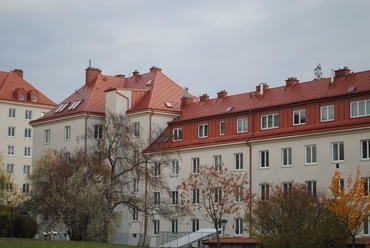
x: 88, y: 115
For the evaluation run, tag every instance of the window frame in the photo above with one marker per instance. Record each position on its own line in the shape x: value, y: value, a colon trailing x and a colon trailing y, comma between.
x: 136, y: 129
x: 366, y: 107
x: 264, y: 159
x: 222, y: 128
x: 274, y: 121
x: 217, y: 162
x: 177, y: 134
x: 67, y: 133
x: 298, y: 113
x: 203, y: 130
x: 156, y: 227
x: 98, y: 132
x: 12, y: 113
x: 47, y: 136
x: 312, y: 187
x: 175, y: 167
x: 135, y: 213
x: 194, y: 225
x: 157, y: 169
x: 26, y: 169
x: 11, y: 131
x: 28, y: 115
x: 26, y: 188
x: 195, y: 165
x: 135, y: 185
x: 10, y: 151
x: 174, y: 227
x: 10, y: 168
x: 239, y: 194
x: 174, y: 198
x: 195, y: 196
x: 28, y: 133
x: 264, y: 191
x: 157, y: 198
x: 286, y: 157
x: 242, y: 125
x: 328, y: 109
x: 238, y: 161
x: 238, y: 226
x: 365, y: 153
x: 337, y: 154
x: 27, y: 151
x: 217, y: 194
x: 313, y: 154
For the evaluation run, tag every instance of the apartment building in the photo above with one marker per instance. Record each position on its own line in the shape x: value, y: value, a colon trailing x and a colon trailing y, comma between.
x: 20, y: 103
x: 299, y: 132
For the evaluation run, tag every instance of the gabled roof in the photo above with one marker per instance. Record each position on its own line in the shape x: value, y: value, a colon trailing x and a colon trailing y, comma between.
x: 298, y: 93
x: 155, y: 90
x: 12, y: 83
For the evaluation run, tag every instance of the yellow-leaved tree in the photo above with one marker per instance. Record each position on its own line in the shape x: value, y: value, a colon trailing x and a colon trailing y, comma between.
x: 350, y: 202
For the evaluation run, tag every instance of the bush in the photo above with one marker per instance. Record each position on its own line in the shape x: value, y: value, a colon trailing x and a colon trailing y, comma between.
x: 24, y: 226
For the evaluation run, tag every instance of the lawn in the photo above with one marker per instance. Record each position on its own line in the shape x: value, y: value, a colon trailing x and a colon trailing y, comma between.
x: 34, y: 243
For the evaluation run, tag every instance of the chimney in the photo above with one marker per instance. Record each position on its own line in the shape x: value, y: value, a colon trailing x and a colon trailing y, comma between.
x: 186, y: 99
x: 341, y: 73
x: 261, y: 88
x: 221, y: 94
x: 204, y: 97
x: 135, y: 73
x: 19, y: 72
x: 291, y: 81
x: 91, y: 74
x: 155, y: 69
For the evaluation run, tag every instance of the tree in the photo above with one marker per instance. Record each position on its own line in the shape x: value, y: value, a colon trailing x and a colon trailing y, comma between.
x: 291, y: 217
x: 214, y: 193
x: 318, y: 72
x: 351, y: 205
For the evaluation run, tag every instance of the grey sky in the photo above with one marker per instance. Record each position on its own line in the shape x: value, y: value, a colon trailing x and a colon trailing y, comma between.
x: 207, y: 46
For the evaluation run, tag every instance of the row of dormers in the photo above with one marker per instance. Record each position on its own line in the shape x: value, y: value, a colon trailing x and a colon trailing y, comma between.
x: 23, y: 95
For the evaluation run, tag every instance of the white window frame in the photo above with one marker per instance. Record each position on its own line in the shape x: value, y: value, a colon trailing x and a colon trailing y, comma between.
x: 218, y: 194
x: 299, y: 117
x: 174, y: 198
x: 67, y: 157
x: 11, y: 131
x: 135, y: 213
x: 135, y: 185
x: 98, y: 132
x: 177, y: 134
x: 26, y: 169
x: 10, y: 168
x: 156, y: 226
x: 194, y: 225
x: 28, y: 114
x: 360, y: 108
x: 269, y: 121
x: 203, y: 130
x: 310, y: 154
x: 264, y: 159
x: 174, y: 227
x: 287, y: 187
x: 312, y: 187
x: 10, y: 150
x: 157, y: 169
x: 238, y: 226
x: 239, y: 193
x: 27, y: 151
x: 264, y: 191
x: 337, y: 152
x: 47, y: 136
x: 217, y: 162
x: 242, y: 125
x: 366, y: 186
x: 67, y: 133
x: 327, y: 113
x: 26, y: 188
x: 12, y: 112
x: 195, y: 165
x: 195, y: 196
x: 136, y: 129
x: 28, y: 133
x: 22, y: 96
x: 365, y: 149
x: 222, y: 128
x: 157, y: 198
x: 175, y: 167
x: 238, y: 157
x: 286, y: 157
x: 366, y: 229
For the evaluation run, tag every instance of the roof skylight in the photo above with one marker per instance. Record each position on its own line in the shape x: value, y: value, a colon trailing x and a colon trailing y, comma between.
x: 352, y: 88
x: 228, y: 109
x: 61, y: 107
x: 168, y: 104
x: 74, y: 105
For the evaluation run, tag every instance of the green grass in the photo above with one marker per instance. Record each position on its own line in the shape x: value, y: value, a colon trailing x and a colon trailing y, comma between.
x: 33, y: 243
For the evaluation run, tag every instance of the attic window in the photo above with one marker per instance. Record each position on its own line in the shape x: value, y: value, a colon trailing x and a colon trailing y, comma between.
x: 61, y: 107
x: 228, y: 109
x: 352, y: 88
x: 74, y: 105
x: 168, y: 104
x: 34, y: 98
x: 21, y: 97
x: 149, y: 82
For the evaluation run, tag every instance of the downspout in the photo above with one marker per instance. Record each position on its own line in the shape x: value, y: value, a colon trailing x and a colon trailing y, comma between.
x: 88, y: 115
x: 250, y: 175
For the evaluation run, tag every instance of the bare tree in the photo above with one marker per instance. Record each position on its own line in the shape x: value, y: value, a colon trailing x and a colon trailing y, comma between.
x: 318, y: 72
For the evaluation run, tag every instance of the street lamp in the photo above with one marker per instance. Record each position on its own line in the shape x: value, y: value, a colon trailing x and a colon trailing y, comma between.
x: 223, y: 224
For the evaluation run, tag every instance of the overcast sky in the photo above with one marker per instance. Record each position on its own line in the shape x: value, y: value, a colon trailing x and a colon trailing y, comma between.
x: 207, y: 45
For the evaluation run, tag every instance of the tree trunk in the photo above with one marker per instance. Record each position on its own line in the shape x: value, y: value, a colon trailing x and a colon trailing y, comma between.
x: 218, y: 236
x: 353, y: 241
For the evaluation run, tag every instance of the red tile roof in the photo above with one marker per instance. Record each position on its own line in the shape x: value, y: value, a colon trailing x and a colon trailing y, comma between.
x: 279, y: 96
x: 154, y: 87
x: 11, y: 81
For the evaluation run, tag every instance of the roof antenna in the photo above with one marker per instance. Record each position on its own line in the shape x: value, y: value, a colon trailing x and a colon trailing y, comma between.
x: 89, y: 62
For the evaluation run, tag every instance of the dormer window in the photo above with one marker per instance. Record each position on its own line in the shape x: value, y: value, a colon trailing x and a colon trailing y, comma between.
x: 21, y: 97
x: 34, y: 98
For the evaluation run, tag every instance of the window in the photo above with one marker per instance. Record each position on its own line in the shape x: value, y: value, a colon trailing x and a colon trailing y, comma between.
x: 264, y: 191
x: 28, y: 115
x: 177, y: 134
x: 286, y: 156
x: 360, y: 108
x: 264, y: 159
x: 366, y: 230
x: 194, y: 225
x: 12, y: 113
x: 157, y: 198
x: 310, y: 154
x: 135, y: 185
x: 365, y: 149
x: 27, y: 133
x: 11, y: 150
x: 203, y: 131
x: 67, y: 133
x: 238, y: 226
x: 327, y: 113
x: 9, y: 187
x: 195, y: 165
x: 217, y: 162
x: 217, y: 195
x: 135, y: 213
x: 299, y: 117
x: 242, y: 125
x: 222, y: 128
x: 10, y: 168
x: 98, y: 131
x: 21, y: 97
x: 43, y: 113
x: 287, y: 187
x: 11, y: 131
x: 47, y: 136
x: 67, y: 157
x: 311, y: 185
x: 269, y: 121
x: 195, y: 196
x: 367, y: 186
x: 74, y: 105
x: 27, y: 151
x: 174, y: 167
x: 156, y: 227
x: 174, y: 197
x: 34, y: 98
x: 157, y: 169
x: 45, y: 217
x: 239, y: 194
x: 26, y: 169
x: 26, y: 188
x: 337, y: 151
x: 238, y: 161
x: 136, y: 129
x: 174, y: 224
